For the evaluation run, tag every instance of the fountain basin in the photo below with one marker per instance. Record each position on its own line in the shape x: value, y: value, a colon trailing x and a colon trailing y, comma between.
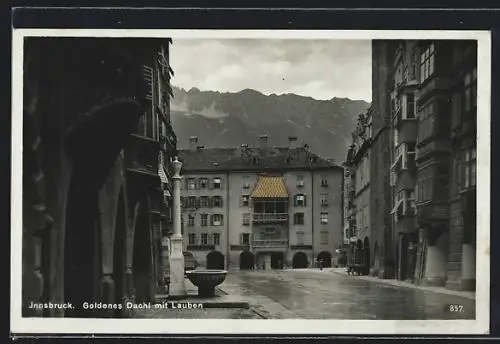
x: 206, y: 280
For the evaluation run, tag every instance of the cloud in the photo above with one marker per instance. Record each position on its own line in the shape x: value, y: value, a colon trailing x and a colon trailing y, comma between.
x: 321, y: 69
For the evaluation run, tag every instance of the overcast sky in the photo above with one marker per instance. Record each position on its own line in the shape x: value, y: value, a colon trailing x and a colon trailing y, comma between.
x: 321, y: 69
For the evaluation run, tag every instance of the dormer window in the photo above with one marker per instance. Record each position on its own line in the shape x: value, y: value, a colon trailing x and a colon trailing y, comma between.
x: 324, y: 183
x: 217, y: 183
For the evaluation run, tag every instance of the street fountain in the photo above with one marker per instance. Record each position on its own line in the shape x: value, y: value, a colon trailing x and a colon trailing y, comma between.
x: 206, y: 280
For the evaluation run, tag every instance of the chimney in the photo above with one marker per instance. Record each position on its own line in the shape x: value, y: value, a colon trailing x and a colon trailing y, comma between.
x: 193, y: 143
x: 292, y: 142
x: 243, y: 149
x: 263, y: 141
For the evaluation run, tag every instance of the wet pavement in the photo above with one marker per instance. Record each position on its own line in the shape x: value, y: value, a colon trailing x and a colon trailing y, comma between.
x: 304, y: 294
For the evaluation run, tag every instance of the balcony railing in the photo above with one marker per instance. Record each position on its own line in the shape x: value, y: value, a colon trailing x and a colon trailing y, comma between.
x: 269, y: 217
x: 270, y: 243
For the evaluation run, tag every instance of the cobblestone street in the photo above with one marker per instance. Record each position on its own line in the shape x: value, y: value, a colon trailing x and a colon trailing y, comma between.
x: 314, y: 294
x: 327, y: 294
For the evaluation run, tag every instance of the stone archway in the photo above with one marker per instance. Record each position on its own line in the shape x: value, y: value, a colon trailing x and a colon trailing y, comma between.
x: 82, y: 263
x: 215, y: 260
x: 326, y: 257
x: 142, y: 259
x: 299, y: 260
x: 366, y: 254
x: 247, y: 260
x: 120, y: 252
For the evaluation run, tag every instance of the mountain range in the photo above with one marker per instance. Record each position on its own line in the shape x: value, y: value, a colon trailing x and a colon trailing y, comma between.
x: 225, y: 120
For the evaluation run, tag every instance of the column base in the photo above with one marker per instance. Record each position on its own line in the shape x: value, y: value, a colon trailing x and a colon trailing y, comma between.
x: 468, y: 284
x: 177, y: 285
x: 434, y: 281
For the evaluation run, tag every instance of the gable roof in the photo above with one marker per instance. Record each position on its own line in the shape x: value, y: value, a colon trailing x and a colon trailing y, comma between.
x: 252, y: 159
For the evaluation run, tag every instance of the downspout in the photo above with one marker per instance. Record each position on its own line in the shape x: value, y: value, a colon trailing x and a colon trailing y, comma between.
x: 312, y: 220
x: 228, y: 246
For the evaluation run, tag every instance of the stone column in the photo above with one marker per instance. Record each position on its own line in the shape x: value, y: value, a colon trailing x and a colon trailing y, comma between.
x: 468, y: 267
x: 177, y: 285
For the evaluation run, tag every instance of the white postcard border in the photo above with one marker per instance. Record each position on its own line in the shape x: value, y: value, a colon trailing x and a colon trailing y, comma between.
x: 480, y: 325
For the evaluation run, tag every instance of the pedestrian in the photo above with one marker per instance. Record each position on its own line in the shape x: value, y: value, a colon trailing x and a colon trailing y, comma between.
x: 321, y: 264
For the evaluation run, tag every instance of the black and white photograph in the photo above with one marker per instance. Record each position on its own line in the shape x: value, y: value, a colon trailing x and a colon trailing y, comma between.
x: 273, y: 181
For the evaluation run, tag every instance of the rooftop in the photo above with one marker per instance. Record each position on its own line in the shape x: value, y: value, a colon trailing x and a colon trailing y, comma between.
x: 253, y: 159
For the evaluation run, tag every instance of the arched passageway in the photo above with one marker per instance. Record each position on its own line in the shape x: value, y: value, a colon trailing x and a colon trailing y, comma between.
x: 119, y: 253
x: 215, y: 260
x: 325, y: 258
x: 82, y: 254
x: 247, y: 260
x: 299, y: 260
x: 366, y: 255
x: 142, y: 258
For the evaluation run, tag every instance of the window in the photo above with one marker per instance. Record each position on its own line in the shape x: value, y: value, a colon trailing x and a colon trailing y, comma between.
x: 470, y: 90
x: 191, y: 220
x: 204, y: 220
x: 410, y: 106
x: 324, y: 217
x: 191, y: 202
x: 204, y: 238
x: 246, y: 219
x: 246, y: 185
x: 217, y: 219
x: 425, y: 182
x: 414, y: 65
x: 191, y: 184
x: 456, y: 109
x: 300, y: 180
x: 192, y: 238
x: 469, y: 177
x: 409, y: 161
x: 245, y: 239
x: 203, y: 201
x: 427, y: 63
x: 216, y: 239
x: 324, y: 238
x: 300, y: 200
x: 324, y: 199
x: 324, y: 183
x: 217, y: 201
x: 396, y: 137
x: 298, y: 218
x: 245, y: 200
x: 217, y: 183
x: 203, y: 183
x: 426, y: 125
x: 300, y: 238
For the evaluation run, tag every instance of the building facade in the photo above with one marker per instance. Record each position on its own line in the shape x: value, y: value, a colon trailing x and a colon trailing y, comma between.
x: 358, y: 191
x: 96, y: 117
x: 262, y: 207
x: 433, y: 96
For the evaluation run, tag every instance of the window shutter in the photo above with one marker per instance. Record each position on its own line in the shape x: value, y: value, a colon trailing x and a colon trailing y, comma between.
x: 211, y: 220
x: 241, y: 238
x: 148, y: 82
x: 222, y: 183
x: 221, y: 219
x: 198, y: 202
x: 304, y: 200
x: 295, y: 200
x: 210, y: 202
x: 221, y: 202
